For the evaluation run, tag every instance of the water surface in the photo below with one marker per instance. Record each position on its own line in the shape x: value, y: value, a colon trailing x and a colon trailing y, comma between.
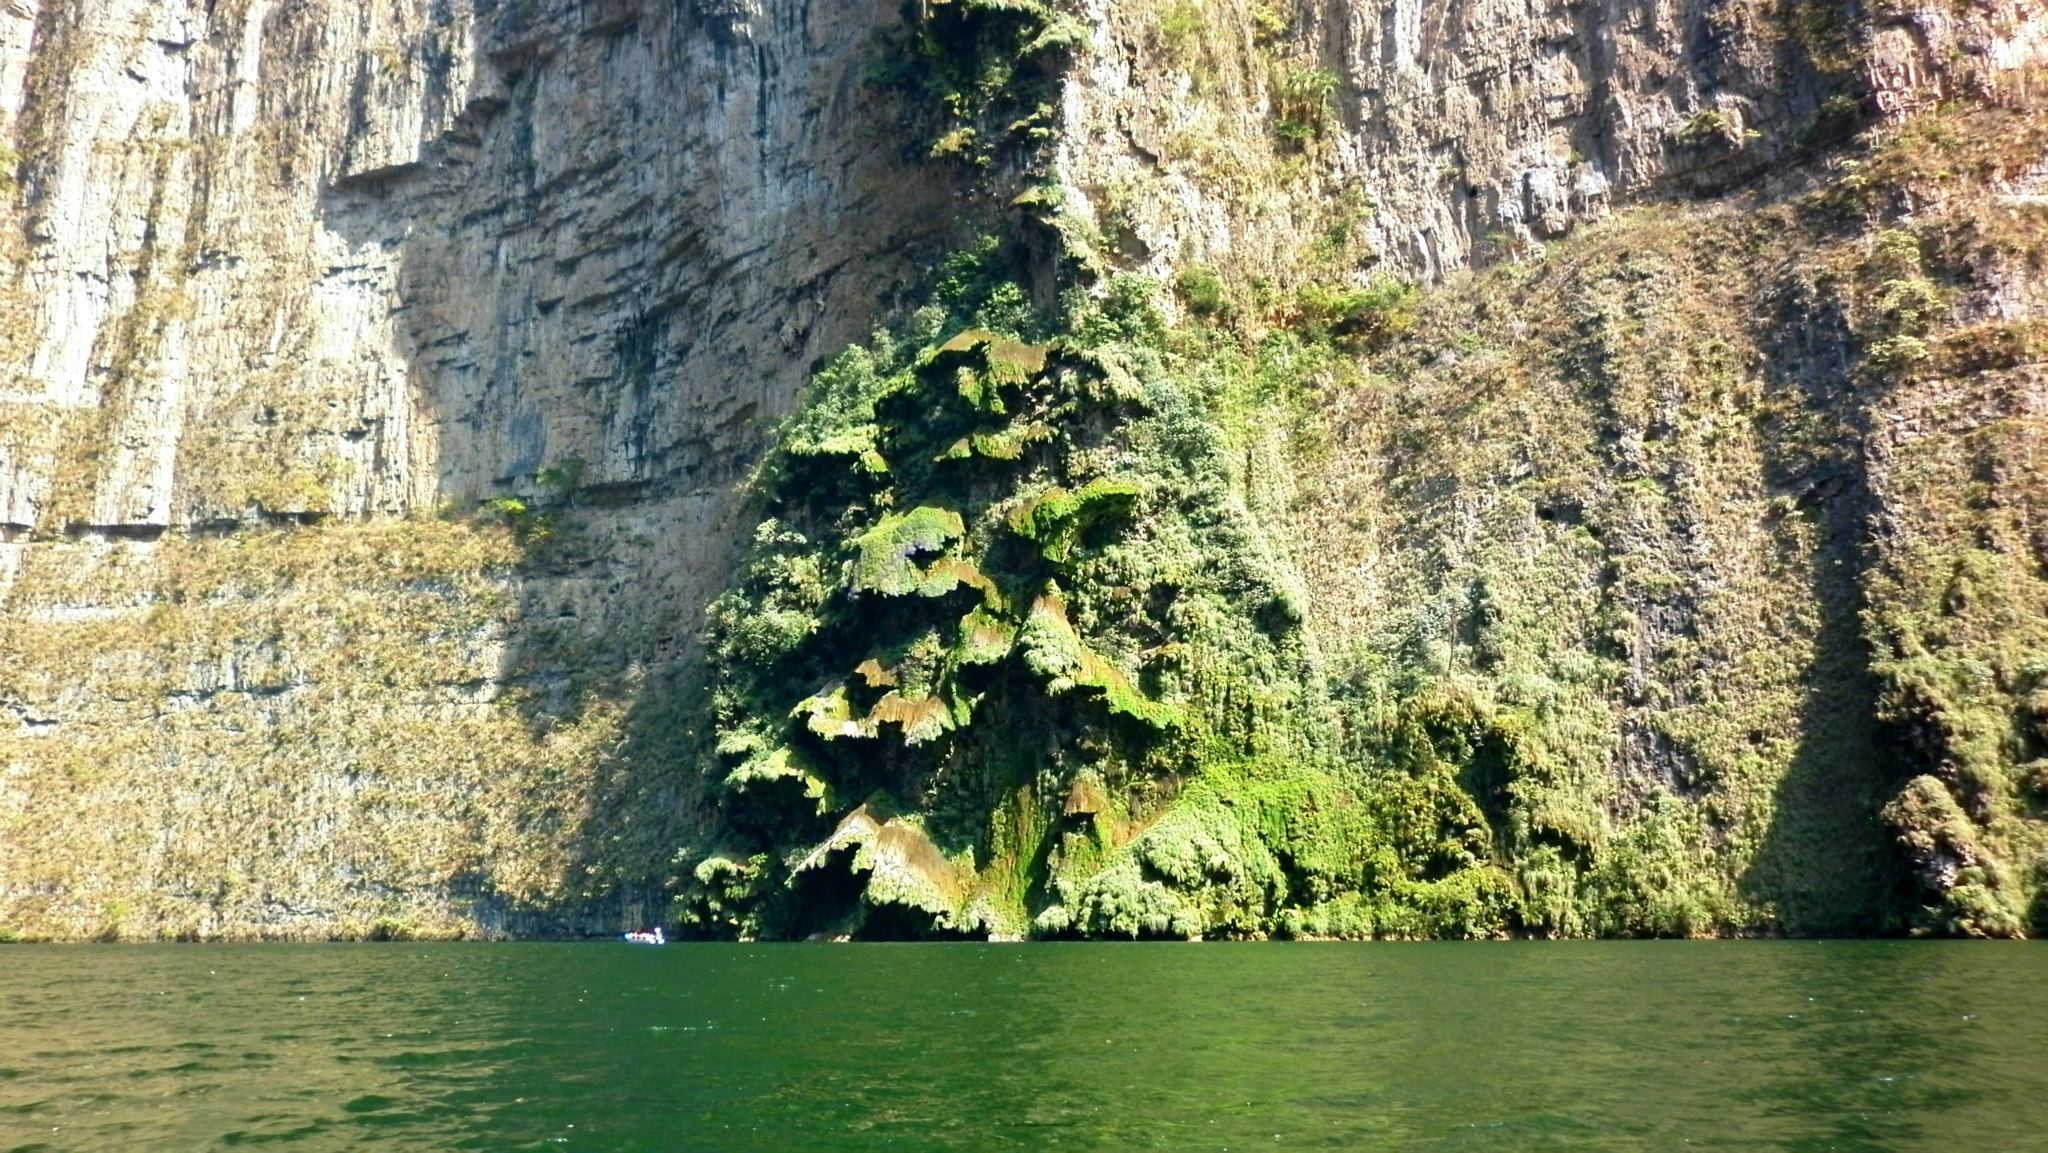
x: 1867, y: 1046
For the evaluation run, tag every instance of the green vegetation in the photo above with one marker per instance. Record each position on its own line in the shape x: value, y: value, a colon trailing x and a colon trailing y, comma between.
x: 535, y: 520
x: 1302, y: 105
x: 1203, y: 291
x: 1003, y: 554
x: 1181, y: 26
x: 984, y: 69
x: 1357, y: 318
x: 1956, y: 613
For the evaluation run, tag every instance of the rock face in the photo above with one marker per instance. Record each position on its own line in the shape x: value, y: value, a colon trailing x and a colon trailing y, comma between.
x: 1240, y: 132
x: 463, y: 241
x: 278, y: 265
x: 379, y: 383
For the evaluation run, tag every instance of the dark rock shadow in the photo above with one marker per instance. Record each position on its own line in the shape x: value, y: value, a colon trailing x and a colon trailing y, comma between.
x: 1826, y: 861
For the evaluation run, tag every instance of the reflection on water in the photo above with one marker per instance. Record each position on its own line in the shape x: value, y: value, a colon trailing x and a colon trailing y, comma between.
x: 1795, y: 1046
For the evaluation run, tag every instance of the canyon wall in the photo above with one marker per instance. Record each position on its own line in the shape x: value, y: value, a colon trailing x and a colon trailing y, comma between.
x: 383, y: 385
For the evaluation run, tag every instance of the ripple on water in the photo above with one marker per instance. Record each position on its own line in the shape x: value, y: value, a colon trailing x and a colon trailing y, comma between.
x: 25, y: 1108
x: 307, y: 1131
x: 193, y: 1066
x: 1482, y: 1049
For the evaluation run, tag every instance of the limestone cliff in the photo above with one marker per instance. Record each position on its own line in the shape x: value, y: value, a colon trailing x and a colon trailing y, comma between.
x: 1610, y: 423
x: 291, y: 289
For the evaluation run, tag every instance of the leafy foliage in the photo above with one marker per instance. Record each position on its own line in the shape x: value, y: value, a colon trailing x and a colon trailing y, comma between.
x: 1302, y: 99
x: 986, y: 70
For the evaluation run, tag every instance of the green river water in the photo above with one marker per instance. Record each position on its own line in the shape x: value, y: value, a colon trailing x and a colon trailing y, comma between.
x: 1514, y: 1046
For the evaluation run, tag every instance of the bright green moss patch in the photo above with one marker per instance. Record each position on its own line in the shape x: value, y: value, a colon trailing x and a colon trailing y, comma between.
x: 885, y: 561
x: 1056, y: 519
x: 1052, y: 649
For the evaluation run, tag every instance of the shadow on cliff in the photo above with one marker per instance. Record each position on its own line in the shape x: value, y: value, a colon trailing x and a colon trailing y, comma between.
x: 615, y: 270
x: 1826, y: 862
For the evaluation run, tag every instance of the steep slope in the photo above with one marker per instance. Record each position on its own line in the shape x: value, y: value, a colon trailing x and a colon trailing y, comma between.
x: 1477, y: 470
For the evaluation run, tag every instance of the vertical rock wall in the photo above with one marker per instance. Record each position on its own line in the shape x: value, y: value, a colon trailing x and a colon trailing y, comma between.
x: 1242, y: 133
x: 290, y: 287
